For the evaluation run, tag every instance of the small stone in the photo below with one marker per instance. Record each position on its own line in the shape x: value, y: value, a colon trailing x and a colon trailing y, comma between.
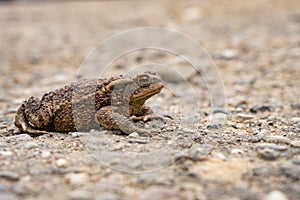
x: 221, y: 156
x: 191, y: 14
x: 76, y: 178
x: 229, y: 54
x: 133, y: 135
x: 6, y: 153
x: 19, y: 138
x: 267, y: 154
x: 295, y: 143
x: 77, y: 134
x: 61, y: 163
x: 237, y: 151
x: 46, y: 154
x: 295, y: 105
x: 9, y: 175
x: 188, y: 130
x: 296, y: 161
x: 276, y: 195
x: 138, y: 141
x: 16, y: 131
x: 290, y: 170
x: 279, y: 139
x: 271, y: 146
x: 5, y: 196
x: 159, y: 192
x: 295, y: 119
x: 262, y: 108
x: 80, y: 195
x: 244, y: 116
x: 31, y: 145
x: 59, y: 77
x: 196, y: 153
x: 2, y: 188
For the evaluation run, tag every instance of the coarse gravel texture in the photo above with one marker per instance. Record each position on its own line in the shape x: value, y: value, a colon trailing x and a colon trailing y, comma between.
x: 254, y: 155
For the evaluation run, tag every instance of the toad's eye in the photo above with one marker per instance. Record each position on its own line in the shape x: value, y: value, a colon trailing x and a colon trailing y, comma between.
x: 144, y: 80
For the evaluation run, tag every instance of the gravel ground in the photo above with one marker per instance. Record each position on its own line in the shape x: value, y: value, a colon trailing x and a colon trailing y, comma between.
x: 254, y: 155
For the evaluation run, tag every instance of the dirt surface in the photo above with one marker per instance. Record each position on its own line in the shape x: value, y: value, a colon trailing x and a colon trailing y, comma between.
x: 254, y: 155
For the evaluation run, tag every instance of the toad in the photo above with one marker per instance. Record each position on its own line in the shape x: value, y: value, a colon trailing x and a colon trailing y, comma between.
x: 112, y: 103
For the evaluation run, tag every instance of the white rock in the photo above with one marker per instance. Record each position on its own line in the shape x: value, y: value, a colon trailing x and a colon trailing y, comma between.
x: 80, y: 194
x: 77, y: 134
x: 237, y: 151
x: 229, y: 54
x: 295, y: 119
x: 6, y: 153
x: 296, y: 143
x: 76, y: 178
x: 244, y: 116
x: 133, y: 135
x: 18, y: 138
x: 276, y: 195
x: 31, y: 145
x: 61, y: 163
x: 191, y: 14
x: 279, y: 139
x: 46, y: 154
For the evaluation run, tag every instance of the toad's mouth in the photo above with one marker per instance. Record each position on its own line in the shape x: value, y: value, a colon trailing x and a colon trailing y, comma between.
x: 145, y: 93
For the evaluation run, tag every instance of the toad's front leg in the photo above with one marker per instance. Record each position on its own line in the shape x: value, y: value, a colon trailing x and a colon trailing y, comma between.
x: 110, y: 118
x: 145, y: 114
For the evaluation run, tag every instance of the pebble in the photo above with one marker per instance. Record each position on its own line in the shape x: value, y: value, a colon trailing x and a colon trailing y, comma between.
x: 80, y: 195
x: 21, y: 137
x: 77, y: 134
x: 262, y: 108
x: 9, y: 175
x: 191, y: 14
x: 2, y: 188
x: 229, y: 54
x: 267, y: 154
x: 8, y: 196
x: 278, y: 139
x: 61, y: 163
x: 291, y: 170
x: 61, y: 77
x: 76, y: 178
x: 6, y: 153
x: 237, y: 151
x: 31, y: 145
x: 46, y: 154
x: 194, y: 153
x: 221, y: 156
x: 244, y: 116
x: 296, y: 161
x: 159, y: 192
x: 133, y: 135
x: 271, y: 146
x: 138, y: 141
x: 16, y: 131
x: 295, y: 105
x: 276, y: 195
x: 295, y: 119
x: 295, y: 143
x: 188, y: 130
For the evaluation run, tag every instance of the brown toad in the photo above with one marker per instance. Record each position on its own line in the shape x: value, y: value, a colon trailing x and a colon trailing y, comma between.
x: 81, y: 106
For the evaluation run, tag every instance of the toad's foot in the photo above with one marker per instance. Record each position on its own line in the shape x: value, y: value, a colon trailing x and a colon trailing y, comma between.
x: 149, y: 117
